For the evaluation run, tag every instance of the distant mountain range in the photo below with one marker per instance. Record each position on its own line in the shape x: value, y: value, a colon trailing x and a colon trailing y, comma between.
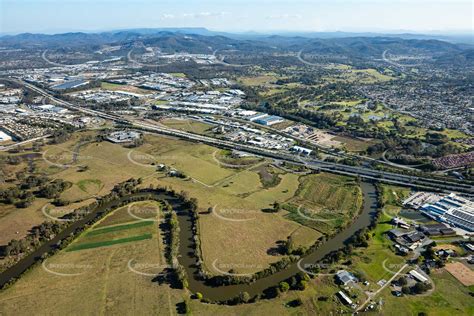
x: 460, y: 38
x: 201, y: 40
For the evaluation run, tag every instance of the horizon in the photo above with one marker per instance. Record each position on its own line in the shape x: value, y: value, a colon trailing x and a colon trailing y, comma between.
x: 262, y: 16
x: 282, y: 32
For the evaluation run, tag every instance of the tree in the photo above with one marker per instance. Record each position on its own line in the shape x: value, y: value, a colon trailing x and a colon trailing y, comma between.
x: 284, y: 287
x: 276, y: 206
x: 198, y: 296
x: 186, y: 308
x: 244, y: 297
x: 402, y: 281
x: 302, y: 285
x: 405, y: 289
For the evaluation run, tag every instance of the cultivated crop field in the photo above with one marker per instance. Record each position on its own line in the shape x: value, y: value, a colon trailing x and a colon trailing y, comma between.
x: 325, y: 201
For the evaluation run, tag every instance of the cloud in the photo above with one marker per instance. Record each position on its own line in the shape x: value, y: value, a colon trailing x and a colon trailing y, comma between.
x: 284, y: 16
x: 168, y: 16
x: 203, y: 14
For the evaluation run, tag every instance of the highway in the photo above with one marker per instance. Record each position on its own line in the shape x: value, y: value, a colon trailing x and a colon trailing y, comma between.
x: 364, y: 172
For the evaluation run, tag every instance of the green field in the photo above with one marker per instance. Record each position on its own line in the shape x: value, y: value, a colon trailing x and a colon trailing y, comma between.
x: 106, y: 243
x: 109, y: 229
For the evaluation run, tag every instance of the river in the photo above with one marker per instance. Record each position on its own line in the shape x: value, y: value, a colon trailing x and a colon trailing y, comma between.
x: 186, y: 251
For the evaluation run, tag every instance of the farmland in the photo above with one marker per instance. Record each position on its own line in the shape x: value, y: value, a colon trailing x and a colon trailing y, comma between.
x: 236, y: 193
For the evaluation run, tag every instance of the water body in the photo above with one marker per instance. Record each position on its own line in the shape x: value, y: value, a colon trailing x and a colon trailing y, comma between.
x: 186, y: 252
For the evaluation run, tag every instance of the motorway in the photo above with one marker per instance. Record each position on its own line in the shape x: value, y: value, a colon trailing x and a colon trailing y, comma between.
x: 364, y: 172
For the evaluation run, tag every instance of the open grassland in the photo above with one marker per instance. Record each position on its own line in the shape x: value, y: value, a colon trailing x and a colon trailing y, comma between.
x: 258, y: 80
x: 15, y: 223
x: 355, y: 145
x: 246, y: 240
x: 106, y: 243
x: 393, y: 197
x: 120, y: 87
x: 249, y: 240
x: 366, y: 76
x: 103, y: 236
x: 188, y: 126
x: 109, y: 287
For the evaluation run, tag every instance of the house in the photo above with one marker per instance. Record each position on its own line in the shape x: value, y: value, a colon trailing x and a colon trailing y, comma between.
x: 402, y: 249
x: 418, y: 276
x: 400, y: 222
x: 344, y: 298
x: 395, y: 233
x: 469, y: 246
x: 437, y: 230
x: 344, y: 277
x: 414, y: 237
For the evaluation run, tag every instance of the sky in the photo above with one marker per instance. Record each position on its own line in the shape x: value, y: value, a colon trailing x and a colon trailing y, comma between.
x: 55, y: 16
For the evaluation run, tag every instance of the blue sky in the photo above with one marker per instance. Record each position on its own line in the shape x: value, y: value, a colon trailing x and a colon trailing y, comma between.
x: 52, y: 16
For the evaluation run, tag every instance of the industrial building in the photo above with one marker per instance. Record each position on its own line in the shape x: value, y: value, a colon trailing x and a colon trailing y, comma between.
x: 452, y: 209
x: 265, y: 119
x: 123, y: 136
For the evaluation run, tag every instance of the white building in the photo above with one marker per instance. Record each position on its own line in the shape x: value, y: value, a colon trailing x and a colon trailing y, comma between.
x: 4, y: 137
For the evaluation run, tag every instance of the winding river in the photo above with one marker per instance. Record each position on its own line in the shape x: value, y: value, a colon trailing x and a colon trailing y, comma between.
x: 186, y: 251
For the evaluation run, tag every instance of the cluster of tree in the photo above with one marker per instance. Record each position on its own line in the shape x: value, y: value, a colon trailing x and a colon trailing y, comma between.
x: 410, y: 151
x: 418, y: 288
x: 61, y: 135
x: 22, y: 195
x: 37, y: 235
x: 53, y: 189
x: 126, y: 187
x: 298, y: 282
x: 230, y: 279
